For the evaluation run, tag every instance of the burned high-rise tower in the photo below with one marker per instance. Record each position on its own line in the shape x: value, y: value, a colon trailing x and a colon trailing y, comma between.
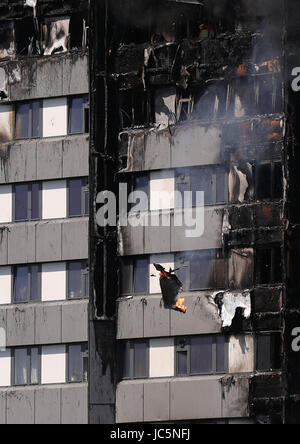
x: 192, y: 95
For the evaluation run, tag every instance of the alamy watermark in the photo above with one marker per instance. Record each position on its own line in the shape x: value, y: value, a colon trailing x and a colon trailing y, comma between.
x: 165, y: 208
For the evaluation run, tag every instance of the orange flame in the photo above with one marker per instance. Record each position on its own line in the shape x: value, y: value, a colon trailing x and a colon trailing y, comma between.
x: 179, y: 305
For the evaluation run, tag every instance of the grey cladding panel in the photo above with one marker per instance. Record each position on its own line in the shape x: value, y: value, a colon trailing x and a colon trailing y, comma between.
x: 20, y: 325
x: 156, y: 401
x: 75, y: 321
x: 76, y: 156
x: 48, y: 241
x: 20, y: 407
x: 49, y: 159
x: 47, y: 405
x: 130, y: 318
x: 75, y: 74
x: 20, y: 164
x: 74, y: 400
x: 49, y: 77
x: 21, y: 243
x: 2, y: 408
x: 156, y: 318
x: 3, y: 245
x: 75, y: 239
x: 48, y: 324
x: 130, y: 400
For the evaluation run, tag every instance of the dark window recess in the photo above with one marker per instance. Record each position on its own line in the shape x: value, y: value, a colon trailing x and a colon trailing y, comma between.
x: 77, y: 362
x: 268, y: 352
x: 244, y: 97
x: 269, y: 181
x: 269, y: 96
x: 126, y: 276
x: 210, y: 103
x: 134, y: 109
x: 78, y: 197
x: 78, y: 115
x: 141, y: 275
x: 26, y: 366
x: 26, y: 284
x: 134, y: 359
x: 201, y: 355
x: 27, y: 199
x: 141, y: 184
x: 7, y: 39
x: 211, y: 181
x: 201, y: 269
x: 28, y: 120
x: 77, y: 279
x: 268, y: 265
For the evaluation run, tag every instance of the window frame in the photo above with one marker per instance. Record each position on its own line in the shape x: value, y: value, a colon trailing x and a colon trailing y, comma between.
x: 272, y: 249
x: 84, y: 353
x: 39, y: 283
x: 85, y: 110
x: 273, y: 164
x: 187, y: 348
x: 84, y: 190
x: 29, y: 202
x: 29, y: 365
x: 30, y: 117
x: 84, y: 277
x: 121, y: 354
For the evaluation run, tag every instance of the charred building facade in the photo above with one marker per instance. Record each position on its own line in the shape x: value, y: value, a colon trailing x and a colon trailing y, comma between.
x: 44, y: 152
x: 191, y: 95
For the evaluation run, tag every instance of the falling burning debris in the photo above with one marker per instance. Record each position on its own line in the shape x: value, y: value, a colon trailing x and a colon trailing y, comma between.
x: 170, y: 287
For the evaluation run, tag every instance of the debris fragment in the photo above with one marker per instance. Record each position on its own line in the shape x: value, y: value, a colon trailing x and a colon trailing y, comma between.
x: 229, y: 302
x: 170, y: 287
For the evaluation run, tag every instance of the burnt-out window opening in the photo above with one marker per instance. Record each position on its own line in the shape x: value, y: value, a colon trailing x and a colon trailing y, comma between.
x: 134, y: 109
x: 56, y: 35
x: 78, y: 197
x: 184, y: 107
x: 210, y: 103
x: 268, y: 265
x: 28, y: 122
x: 26, y: 283
x: 133, y: 359
x: 268, y: 351
x: 27, y: 38
x: 269, y: 95
x: 7, y: 39
x: 77, y: 363
x: 269, y: 180
x: 243, y: 97
x: 77, y: 279
x: 213, y: 181
x: 134, y: 275
x: 27, y: 202
x: 199, y: 270
x: 140, y: 183
x: 26, y: 366
x: 78, y: 31
x: 78, y: 115
x: 201, y: 355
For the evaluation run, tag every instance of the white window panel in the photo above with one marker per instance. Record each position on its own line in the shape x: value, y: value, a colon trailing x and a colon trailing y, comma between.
x: 5, y: 368
x: 5, y: 285
x: 6, y: 123
x: 53, y: 364
x: 55, y: 117
x: 167, y: 261
x: 5, y: 203
x: 54, y: 277
x: 54, y: 201
x: 161, y: 357
x: 241, y: 354
x: 162, y: 187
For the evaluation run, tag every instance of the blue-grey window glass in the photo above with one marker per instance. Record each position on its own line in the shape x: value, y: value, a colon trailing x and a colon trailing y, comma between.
x: 21, y: 202
x: 202, y: 270
x: 201, y: 354
x: 21, y: 366
x: 22, y: 121
x: 75, y: 197
x: 140, y: 359
x: 220, y: 345
x: 182, y: 363
x: 35, y: 119
x: 35, y: 201
x: 75, y: 363
x: 201, y: 180
x: 34, y: 365
x: 34, y: 282
x: 21, y: 284
x: 141, y: 275
x: 126, y: 360
x: 76, y: 117
x: 74, y: 280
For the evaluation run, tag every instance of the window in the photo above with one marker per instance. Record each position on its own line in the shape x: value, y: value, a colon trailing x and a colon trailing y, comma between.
x: 134, y: 359
x: 134, y: 109
x: 269, y: 181
x: 77, y: 362
x: 201, y: 355
x: 27, y: 202
x: 201, y: 269
x: 55, y: 117
x: 78, y: 115
x: 78, y: 197
x: 141, y: 184
x: 78, y: 280
x: 268, y: 265
x: 28, y: 120
x: 268, y: 351
x: 26, y: 366
x: 141, y: 275
x: 212, y: 181
x: 26, y: 283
